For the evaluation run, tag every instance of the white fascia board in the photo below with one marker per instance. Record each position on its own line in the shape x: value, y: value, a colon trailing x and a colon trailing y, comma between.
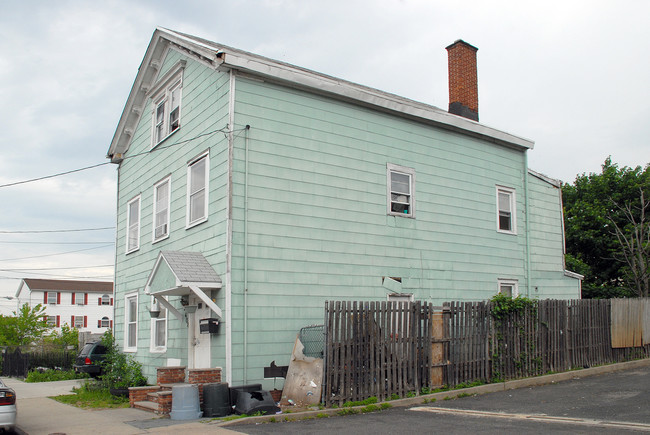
x: 20, y: 288
x: 573, y: 275
x: 552, y: 181
x: 309, y: 79
x: 201, y: 295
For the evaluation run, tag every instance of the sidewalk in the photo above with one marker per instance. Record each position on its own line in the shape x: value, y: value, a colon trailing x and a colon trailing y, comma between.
x: 39, y: 415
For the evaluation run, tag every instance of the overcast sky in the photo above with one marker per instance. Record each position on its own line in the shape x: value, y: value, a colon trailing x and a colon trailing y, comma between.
x: 570, y: 75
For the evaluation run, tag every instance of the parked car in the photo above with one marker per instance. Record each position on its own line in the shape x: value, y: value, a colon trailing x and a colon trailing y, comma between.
x: 8, y: 409
x: 90, y: 358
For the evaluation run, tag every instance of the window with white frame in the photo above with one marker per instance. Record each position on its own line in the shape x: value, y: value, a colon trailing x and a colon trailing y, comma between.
x: 80, y: 298
x: 104, y: 322
x: 197, y: 190
x: 161, y: 204
x: 78, y: 322
x: 52, y: 297
x: 131, y: 323
x: 401, y: 190
x: 506, y: 210
x: 51, y: 321
x: 508, y: 287
x: 133, y: 225
x: 166, y: 98
x: 158, y: 327
x: 106, y: 299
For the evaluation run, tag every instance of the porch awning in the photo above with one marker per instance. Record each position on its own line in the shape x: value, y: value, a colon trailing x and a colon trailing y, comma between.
x: 180, y: 273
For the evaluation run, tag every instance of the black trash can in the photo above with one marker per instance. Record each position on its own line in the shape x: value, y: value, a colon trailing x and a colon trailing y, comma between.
x: 251, y: 402
x: 216, y: 400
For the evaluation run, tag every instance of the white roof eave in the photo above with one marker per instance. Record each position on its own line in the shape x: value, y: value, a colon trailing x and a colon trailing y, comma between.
x: 230, y: 58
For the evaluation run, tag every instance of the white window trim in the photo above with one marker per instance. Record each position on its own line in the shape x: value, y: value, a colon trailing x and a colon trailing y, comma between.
x: 56, y: 298
x: 406, y: 171
x: 160, y: 93
x: 128, y: 224
x: 128, y: 348
x: 206, y: 156
x: 513, y: 282
x: 80, y: 299
x: 75, y: 322
x: 513, y: 209
x: 154, y: 321
x: 167, y: 180
x: 51, y: 321
x: 108, y: 322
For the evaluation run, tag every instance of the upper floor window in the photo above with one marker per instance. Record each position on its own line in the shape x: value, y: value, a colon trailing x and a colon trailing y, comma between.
x: 506, y: 210
x: 105, y: 300
x: 401, y: 190
x: 133, y: 225
x: 166, y: 97
x: 80, y: 298
x: 52, y: 297
x: 197, y: 190
x: 508, y: 287
x: 161, y: 204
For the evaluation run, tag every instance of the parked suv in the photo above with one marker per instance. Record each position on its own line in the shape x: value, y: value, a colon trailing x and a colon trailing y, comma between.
x: 89, y: 359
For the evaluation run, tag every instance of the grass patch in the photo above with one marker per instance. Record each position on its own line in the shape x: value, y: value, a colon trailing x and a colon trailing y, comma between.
x: 51, y: 375
x: 368, y: 401
x: 87, y: 397
x: 348, y: 411
x: 321, y: 415
x: 461, y: 395
x: 370, y: 408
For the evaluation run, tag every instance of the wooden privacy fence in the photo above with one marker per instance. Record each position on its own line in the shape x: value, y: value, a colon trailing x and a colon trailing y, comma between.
x: 552, y: 335
x: 394, y: 348
x: 376, y: 349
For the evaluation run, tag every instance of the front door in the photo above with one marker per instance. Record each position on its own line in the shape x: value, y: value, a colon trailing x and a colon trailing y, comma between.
x: 199, y: 344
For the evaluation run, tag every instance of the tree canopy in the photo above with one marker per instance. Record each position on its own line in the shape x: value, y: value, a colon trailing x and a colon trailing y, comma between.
x: 607, y: 225
x: 26, y: 326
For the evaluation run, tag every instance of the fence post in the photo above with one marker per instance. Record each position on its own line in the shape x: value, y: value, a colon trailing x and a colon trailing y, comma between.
x: 437, y: 349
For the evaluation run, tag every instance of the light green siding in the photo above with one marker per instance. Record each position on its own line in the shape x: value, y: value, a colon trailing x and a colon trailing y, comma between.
x: 311, y: 216
x: 547, y: 243
x: 204, y: 111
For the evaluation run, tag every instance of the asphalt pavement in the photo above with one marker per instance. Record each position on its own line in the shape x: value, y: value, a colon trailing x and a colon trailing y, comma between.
x: 606, y: 399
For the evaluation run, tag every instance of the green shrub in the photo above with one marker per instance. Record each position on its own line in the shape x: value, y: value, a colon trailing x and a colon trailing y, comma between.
x: 53, y: 375
x: 119, y: 370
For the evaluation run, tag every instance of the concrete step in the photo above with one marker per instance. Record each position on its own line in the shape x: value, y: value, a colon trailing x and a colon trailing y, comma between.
x: 146, y: 405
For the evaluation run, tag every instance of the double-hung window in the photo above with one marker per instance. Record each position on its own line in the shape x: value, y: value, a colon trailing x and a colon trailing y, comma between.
x: 133, y: 225
x: 104, y: 322
x: 52, y: 298
x: 197, y: 190
x: 166, y: 97
x: 508, y: 287
x: 400, y: 190
x: 131, y: 323
x: 506, y: 210
x: 78, y: 322
x: 161, y: 202
x: 158, y: 327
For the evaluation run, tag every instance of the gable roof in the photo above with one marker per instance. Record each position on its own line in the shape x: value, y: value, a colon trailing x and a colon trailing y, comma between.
x: 224, y: 58
x: 34, y: 284
x: 187, y: 269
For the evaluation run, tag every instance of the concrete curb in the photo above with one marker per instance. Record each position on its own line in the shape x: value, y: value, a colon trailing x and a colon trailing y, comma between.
x: 446, y: 395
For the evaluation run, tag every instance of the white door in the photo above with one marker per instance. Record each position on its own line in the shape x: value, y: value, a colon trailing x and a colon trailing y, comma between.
x: 199, y: 352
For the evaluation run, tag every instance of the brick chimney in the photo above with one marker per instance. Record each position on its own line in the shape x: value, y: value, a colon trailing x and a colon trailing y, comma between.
x: 463, y: 80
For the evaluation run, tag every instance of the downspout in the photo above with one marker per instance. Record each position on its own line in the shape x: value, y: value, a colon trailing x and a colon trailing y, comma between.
x: 231, y: 122
x: 527, y: 207
x: 246, y: 259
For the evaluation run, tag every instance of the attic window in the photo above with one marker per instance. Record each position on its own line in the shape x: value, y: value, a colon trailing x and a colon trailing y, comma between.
x: 166, y: 98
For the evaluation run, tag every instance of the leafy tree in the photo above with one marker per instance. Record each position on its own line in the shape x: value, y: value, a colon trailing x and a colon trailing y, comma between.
x: 68, y: 336
x: 27, y: 326
x: 119, y: 370
x: 601, y: 211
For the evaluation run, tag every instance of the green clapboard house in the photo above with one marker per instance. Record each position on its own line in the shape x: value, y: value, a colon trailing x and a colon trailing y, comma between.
x: 251, y: 191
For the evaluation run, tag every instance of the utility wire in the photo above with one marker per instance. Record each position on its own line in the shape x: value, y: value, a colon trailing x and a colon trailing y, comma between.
x: 222, y: 130
x: 59, y: 276
x: 57, y: 253
x: 56, y: 268
x: 57, y: 243
x: 55, y: 231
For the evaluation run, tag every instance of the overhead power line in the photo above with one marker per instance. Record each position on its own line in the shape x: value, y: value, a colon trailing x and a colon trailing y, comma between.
x: 55, y: 268
x: 59, y: 174
x: 57, y: 253
x: 57, y: 243
x: 55, y: 231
